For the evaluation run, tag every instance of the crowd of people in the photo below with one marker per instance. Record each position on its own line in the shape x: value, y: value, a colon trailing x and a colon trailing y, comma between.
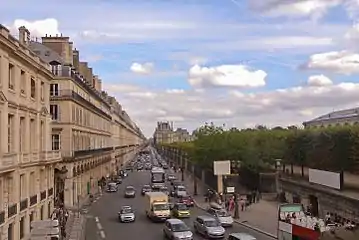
x: 229, y: 200
x: 61, y: 214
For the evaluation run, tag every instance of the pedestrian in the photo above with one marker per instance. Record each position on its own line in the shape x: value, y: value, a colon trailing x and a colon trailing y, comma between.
x: 242, y: 202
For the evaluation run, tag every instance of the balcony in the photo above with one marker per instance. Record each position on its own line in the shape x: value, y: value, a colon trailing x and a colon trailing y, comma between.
x: 43, y: 195
x: 25, y: 158
x: 33, y: 200
x: 12, y: 210
x: 92, y: 151
x: 50, y: 156
x: 70, y: 94
x: 24, y: 204
x: 68, y: 72
x: 9, y: 160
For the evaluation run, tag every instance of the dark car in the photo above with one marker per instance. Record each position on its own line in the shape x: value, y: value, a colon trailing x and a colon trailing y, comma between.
x: 130, y: 192
x: 145, y: 188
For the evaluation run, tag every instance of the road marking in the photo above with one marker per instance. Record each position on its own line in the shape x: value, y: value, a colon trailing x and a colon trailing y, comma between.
x: 97, y: 219
x: 99, y: 226
x: 102, y: 233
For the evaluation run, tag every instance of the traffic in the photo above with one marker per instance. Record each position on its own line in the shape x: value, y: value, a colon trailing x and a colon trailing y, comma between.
x: 153, y: 204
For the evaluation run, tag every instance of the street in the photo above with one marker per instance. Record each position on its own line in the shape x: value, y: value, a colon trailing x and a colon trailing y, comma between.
x: 103, y: 222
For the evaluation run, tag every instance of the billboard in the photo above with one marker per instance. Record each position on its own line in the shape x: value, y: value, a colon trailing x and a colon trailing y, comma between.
x: 222, y: 167
x: 325, y: 178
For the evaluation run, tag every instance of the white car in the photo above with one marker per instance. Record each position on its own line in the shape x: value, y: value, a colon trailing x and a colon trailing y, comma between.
x: 126, y: 214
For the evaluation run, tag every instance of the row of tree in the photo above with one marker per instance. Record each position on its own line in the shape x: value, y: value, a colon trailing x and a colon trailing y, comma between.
x: 334, y: 149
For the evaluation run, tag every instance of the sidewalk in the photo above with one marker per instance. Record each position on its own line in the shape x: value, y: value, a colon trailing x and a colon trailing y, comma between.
x: 261, y: 216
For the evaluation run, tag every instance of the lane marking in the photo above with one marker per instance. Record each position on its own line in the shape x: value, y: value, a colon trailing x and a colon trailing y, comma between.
x: 102, y: 234
x: 99, y: 226
x: 97, y: 219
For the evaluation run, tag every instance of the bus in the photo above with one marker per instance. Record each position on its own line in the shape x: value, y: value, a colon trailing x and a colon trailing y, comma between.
x: 158, y: 177
x: 295, y: 224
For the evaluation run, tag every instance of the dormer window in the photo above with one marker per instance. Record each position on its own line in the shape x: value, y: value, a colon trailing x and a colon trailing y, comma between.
x: 47, y: 53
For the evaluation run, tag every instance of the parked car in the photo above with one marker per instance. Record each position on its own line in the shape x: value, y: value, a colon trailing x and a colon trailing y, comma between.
x: 177, y: 229
x: 208, y: 227
x: 112, y: 187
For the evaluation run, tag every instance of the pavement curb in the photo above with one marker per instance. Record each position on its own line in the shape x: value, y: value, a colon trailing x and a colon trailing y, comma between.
x: 241, y: 223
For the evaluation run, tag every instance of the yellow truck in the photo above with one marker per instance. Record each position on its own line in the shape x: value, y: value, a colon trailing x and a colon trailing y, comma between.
x: 157, y: 207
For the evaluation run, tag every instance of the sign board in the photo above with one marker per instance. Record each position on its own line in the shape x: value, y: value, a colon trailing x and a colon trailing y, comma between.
x: 325, y: 178
x: 45, y: 224
x: 222, y: 167
x: 230, y: 190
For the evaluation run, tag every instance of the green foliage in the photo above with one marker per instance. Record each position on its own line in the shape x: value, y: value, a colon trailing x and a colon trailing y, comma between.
x: 335, y: 148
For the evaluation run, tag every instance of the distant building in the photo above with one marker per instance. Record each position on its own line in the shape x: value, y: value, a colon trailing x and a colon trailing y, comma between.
x: 165, y: 133
x: 336, y: 118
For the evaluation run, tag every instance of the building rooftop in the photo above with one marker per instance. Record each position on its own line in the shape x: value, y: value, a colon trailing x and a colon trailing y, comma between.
x: 347, y: 113
x: 46, y: 54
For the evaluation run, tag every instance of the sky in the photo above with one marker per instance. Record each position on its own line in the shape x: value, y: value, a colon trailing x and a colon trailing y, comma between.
x: 240, y: 63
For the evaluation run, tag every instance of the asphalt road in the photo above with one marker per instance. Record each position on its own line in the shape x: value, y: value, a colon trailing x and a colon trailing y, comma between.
x: 103, y: 223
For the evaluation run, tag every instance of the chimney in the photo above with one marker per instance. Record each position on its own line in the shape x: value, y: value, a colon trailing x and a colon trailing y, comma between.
x: 76, y: 59
x: 70, y: 56
x: 59, y: 44
x: 24, y: 35
x: 83, y: 66
x: 99, y: 85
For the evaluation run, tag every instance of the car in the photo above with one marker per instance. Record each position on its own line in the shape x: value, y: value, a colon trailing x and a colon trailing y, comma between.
x: 164, y: 189
x: 177, y: 229
x: 188, y: 200
x: 171, y: 177
x: 145, y: 188
x: 112, y: 187
x: 241, y: 236
x: 126, y: 214
x: 180, y: 210
x: 218, y: 212
x: 180, y: 191
x: 209, y: 227
x: 130, y: 192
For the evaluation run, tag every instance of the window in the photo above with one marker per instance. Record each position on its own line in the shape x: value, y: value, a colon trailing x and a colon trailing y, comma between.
x: 32, y: 184
x: 54, y: 111
x: 22, y: 227
x: 31, y: 216
x: 32, y: 134
x: 22, y: 187
x: 42, y: 212
x: 10, y: 231
x: 23, y: 82
x: 42, y: 87
x: 56, y: 70
x: 10, y: 132
x: 10, y: 190
x: 55, y: 141
x: 22, y: 134
x: 11, y: 76
x: 42, y: 138
x: 33, y: 88
x: 42, y: 180
x: 54, y: 89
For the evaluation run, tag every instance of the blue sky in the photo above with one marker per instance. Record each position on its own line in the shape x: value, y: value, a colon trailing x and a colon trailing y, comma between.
x: 195, y: 61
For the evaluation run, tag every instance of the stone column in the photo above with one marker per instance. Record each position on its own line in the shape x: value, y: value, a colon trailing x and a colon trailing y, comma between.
x: 68, y: 194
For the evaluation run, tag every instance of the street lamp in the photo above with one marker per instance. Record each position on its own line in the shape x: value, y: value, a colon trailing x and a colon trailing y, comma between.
x: 195, y: 186
x: 278, y: 163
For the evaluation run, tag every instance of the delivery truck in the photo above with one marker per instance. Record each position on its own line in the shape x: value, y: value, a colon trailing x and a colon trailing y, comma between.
x: 157, y: 207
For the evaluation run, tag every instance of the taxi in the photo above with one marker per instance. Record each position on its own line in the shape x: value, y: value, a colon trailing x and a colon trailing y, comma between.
x: 180, y: 210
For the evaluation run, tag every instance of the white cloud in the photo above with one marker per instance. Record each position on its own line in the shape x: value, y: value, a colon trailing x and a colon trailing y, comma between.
x: 145, y: 68
x: 121, y: 88
x: 343, y: 62
x: 191, y: 109
x: 226, y: 76
x: 294, y: 8
x: 38, y: 28
x: 319, y: 81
